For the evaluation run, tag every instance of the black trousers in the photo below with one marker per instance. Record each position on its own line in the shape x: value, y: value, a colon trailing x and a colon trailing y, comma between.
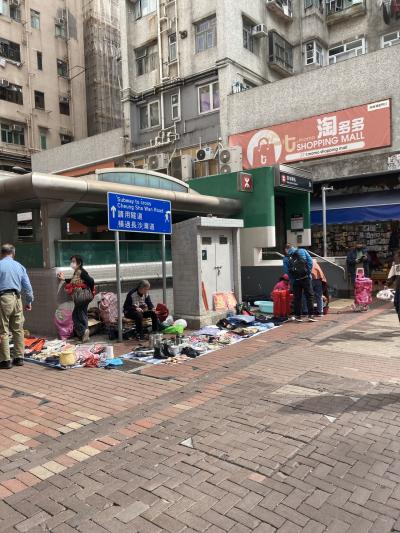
x: 397, y: 302
x: 300, y: 287
x: 138, y: 317
x: 80, y: 319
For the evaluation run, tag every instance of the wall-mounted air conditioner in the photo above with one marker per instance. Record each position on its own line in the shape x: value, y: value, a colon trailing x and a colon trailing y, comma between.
x: 259, y: 31
x: 205, y: 154
x: 182, y: 167
x: 231, y: 160
x: 158, y: 161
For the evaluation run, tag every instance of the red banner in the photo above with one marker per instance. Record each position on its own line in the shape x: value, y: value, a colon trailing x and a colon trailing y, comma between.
x: 349, y: 130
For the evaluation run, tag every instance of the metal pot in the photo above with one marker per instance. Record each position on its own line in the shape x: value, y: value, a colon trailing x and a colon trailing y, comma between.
x: 155, y: 339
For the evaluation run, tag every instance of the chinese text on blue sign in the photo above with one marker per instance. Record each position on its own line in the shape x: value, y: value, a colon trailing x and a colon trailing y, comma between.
x: 138, y: 214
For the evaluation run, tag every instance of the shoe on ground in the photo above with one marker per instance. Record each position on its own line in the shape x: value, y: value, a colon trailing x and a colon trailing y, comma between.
x: 6, y: 364
x: 298, y: 319
x: 86, y: 336
x: 18, y: 361
x: 312, y: 319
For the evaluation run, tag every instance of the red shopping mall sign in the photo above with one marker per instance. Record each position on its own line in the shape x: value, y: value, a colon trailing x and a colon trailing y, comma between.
x: 349, y: 130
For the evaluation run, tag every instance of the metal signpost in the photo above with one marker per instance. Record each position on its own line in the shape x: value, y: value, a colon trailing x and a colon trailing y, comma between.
x: 324, y: 236
x: 138, y: 214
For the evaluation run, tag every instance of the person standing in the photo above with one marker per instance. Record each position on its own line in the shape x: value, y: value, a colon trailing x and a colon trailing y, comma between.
x: 138, y: 305
x: 298, y: 266
x: 394, y: 278
x: 81, y: 288
x: 357, y: 258
x: 318, y: 285
x: 13, y: 280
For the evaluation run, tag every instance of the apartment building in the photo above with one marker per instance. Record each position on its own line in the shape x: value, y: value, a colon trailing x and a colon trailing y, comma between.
x: 42, y: 78
x: 182, y: 60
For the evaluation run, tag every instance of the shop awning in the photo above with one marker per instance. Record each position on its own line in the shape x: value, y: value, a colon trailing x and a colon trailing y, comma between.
x: 369, y: 207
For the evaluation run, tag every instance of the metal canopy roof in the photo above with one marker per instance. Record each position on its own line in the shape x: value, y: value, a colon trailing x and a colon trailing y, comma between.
x: 29, y: 191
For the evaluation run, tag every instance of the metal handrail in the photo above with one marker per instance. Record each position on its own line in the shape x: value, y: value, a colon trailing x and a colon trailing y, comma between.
x: 329, y: 261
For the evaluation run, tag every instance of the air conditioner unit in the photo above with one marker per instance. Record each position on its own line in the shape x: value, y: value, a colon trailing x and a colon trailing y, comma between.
x: 60, y: 21
x: 259, y: 31
x: 158, y: 161
x: 205, y: 154
x: 15, y: 3
x: 18, y: 128
x: 231, y: 160
x: 64, y: 99
x: 182, y: 167
x: 4, y: 83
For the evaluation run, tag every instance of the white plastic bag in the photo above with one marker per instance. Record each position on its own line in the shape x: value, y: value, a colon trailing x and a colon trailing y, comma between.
x: 169, y: 321
x: 386, y: 294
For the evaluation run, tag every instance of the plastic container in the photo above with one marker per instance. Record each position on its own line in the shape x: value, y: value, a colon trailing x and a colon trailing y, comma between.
x: 265, y: 306
x: 109, y: 352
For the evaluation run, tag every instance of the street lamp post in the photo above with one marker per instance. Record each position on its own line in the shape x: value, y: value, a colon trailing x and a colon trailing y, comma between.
x: 324, y: 189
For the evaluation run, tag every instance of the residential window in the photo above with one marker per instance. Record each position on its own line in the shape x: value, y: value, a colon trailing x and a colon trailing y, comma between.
x: 175, y: 107
x: 39, y: 100
x: 314, y: 54
x: 62, y: 68
x: 335, y: 6
x: 314, y: 3
x: 35, y: 19
x: 248, y: 39
x: 146, y: 59
x: 65, y: 139
x: 60, y: 28
x: 280, y: 51
x: 149, y: 115
x: 346, y: 51
x: 390, y: 39
x: 172, y: 47
x: 43, y: 139
x: 209, y: 97
x: 15, y: 12
x: 10, y: 50
x: 4, y: 8
x: 64, y: 105
x: 12, y: 134
x: 206, y: 34
x: 144, y: 7
x: 39, y: 60
x: 11, y: 92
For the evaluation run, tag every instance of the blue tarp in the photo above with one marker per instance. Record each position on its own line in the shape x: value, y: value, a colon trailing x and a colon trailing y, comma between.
x: 370, y: 207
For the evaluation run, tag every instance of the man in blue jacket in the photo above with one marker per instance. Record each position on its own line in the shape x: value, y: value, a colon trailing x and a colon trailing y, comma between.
x: 298, y: 266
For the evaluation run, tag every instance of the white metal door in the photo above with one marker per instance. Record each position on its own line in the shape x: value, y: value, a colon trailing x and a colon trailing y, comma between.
x: 224, y: 261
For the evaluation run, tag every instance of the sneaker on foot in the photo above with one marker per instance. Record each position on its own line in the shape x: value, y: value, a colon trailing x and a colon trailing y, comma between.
x: 298, y: 319
x: 312, y: 319
x: 18, y: 361
x: 86, y: 336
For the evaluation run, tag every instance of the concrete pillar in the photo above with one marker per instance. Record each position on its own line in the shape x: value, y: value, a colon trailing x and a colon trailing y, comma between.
x: 36, y: 225
x: 8, y: 227
x: 51, y: 232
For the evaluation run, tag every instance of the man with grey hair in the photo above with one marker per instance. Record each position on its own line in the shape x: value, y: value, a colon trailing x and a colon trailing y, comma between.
x: 138, y: 305
x: 13, y: 280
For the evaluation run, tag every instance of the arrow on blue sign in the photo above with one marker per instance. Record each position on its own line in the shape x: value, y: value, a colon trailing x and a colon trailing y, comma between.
x: 138, y: 214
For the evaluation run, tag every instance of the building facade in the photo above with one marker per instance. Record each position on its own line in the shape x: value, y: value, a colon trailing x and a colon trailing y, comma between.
x: 42, y: 90
x: 182, y: 62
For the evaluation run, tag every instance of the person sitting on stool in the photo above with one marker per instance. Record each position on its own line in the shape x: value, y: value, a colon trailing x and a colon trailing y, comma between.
x: 138, y: 305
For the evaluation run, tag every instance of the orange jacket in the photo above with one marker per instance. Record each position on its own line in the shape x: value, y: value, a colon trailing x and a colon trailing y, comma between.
x: 317, y: 272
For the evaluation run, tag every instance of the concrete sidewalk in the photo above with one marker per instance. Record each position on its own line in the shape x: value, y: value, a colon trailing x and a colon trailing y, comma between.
x: 293, y: 430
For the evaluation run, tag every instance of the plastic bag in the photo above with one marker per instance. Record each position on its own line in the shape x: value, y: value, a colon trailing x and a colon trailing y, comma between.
x: 386, y: 294
x: 181, y: 322
x: 63, y: 322
x: 168, y: 321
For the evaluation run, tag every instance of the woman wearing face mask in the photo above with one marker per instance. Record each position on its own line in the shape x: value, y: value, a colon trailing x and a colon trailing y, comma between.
x: 81, y: 288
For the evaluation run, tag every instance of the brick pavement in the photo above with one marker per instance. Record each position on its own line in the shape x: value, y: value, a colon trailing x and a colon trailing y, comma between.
x: 289, y: 431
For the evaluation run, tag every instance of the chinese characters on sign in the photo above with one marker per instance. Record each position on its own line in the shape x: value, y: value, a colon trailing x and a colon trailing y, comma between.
x: 138, y: 214
x: 348, y: 130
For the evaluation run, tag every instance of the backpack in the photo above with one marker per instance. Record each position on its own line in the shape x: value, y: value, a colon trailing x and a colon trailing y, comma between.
x: 297, y: 266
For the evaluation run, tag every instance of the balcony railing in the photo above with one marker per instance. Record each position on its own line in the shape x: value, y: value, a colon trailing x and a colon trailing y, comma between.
x: 280, y: 54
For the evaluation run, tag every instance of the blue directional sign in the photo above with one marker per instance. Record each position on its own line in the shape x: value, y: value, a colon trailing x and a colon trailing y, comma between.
x: 138, y: 214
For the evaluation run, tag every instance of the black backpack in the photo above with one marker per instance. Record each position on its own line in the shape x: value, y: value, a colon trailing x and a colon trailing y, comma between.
x: 297, y: 266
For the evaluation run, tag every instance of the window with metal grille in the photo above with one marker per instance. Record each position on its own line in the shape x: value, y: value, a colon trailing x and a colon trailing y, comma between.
x: 11, y: 92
